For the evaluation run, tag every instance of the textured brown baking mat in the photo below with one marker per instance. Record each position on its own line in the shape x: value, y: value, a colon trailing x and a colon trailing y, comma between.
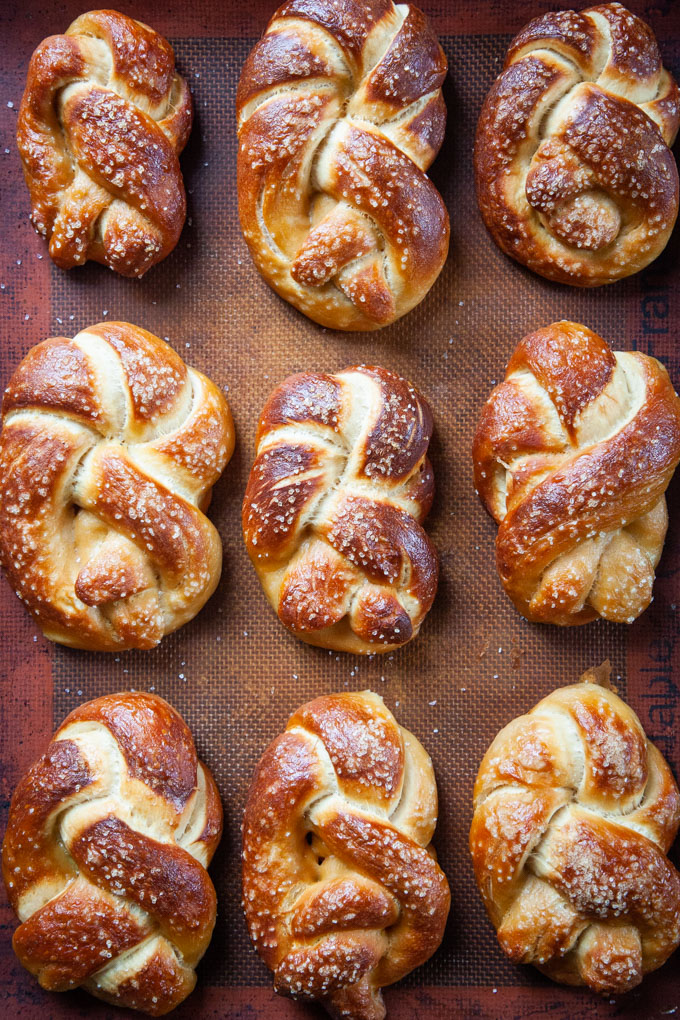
x: 234, y: 673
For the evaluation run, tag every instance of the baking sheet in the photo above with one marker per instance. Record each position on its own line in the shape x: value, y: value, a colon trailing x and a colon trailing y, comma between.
x: 234, y: 673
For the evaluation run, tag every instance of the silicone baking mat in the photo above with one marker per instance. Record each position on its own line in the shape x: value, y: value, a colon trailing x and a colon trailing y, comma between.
x: 234, y: 673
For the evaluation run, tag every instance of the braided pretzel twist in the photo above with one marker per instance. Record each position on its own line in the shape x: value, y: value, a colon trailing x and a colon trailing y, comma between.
x: 575, y: 178
x: 109, y: 448
x: 104, y: 858
x: 332, y: 511
x: 340, y: 114
x: 572, y: 456
x: 101, y: 125
x: 341, y: 891
x: 574, y: 813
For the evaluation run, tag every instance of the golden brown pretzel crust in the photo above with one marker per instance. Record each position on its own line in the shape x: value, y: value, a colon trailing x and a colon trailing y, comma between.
x: 332, y: 512
x: 340, y: 113
x: 575, y: 178
x: 104, y: 858
x: 102, y: 122
x: 341, y: 890
x: 574, y: 813
x: 109, y: 448
x: 572, y: 457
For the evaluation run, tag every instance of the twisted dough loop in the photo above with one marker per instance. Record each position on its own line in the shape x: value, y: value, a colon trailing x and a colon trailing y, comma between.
x: 109, y: 449
x: 575, y: 178
x: 340, y: 114
x: 332, y: 512
x: 104, y: 858
x: 574, y: 813
x: 573, y: 454
x: 341, y: 890
x: 101, y: 125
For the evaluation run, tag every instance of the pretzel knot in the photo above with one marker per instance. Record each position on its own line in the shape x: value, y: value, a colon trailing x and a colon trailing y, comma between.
x: 575, y: 177
x: 341, y: 890
x: 101, y: 125
x: 104, y: 858
x: 573, y: 454
x: 574, y: 813
x: 340, y: 114
x: 332, y: 512
x: 109, y: 449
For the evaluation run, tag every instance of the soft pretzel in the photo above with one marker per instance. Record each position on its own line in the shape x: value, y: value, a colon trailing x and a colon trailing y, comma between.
x: 102, y: 122
x: 574, y: 813
x: 104, y: 858
x: 572, y: 457
x: 341, y: 889
x: 340, y: 113
x: 332, y: 512
x: 575, y: 177
x: 109, y: 448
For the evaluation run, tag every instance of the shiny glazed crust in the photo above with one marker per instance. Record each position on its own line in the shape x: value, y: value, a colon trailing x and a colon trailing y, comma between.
x: 572, y: 457
x: 109, y: 448
x: 340, y: 113
x: 341, y: 889
x: 104, y: 858
x: 575, y: 178
x: 102, y: 122
x: 574, y: 813
x: 333, y: 510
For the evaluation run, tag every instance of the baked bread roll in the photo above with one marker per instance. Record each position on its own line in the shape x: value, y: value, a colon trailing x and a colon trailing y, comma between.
x: 341, y: 889
x: 102, y: 122
x: 340, y: 113
x: 575, y: 177
x: 574, y: 813
x: 334, y: 504
x: 572, y: 457
x: 104, y: 858
x: 109, y: 448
